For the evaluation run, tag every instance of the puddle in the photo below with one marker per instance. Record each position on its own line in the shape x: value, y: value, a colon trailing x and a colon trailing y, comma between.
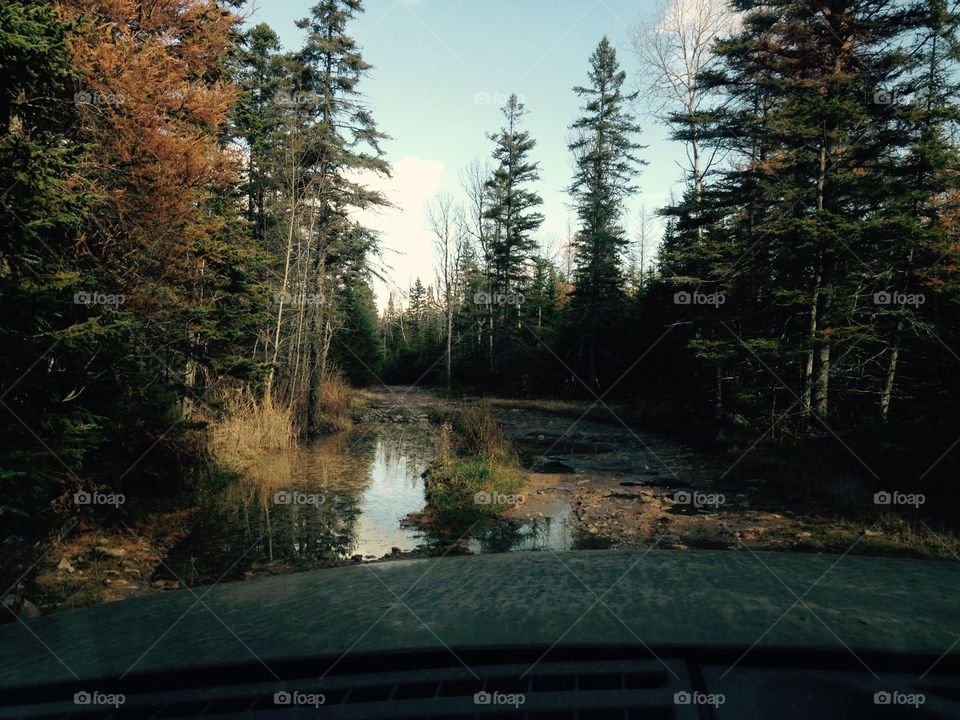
x: 342, y: 496
x: 347, y: 495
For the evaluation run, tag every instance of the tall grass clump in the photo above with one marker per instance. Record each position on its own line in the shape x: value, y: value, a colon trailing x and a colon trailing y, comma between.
x: 335, y: 400
x: 475, y: 474
x: 248, y: 426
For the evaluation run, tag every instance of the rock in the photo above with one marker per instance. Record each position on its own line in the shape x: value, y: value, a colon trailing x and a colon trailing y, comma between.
x: 130, y: 567
x: 395, y: 551
x: 357, y: 558
x: 593, y: 529
x: 65, y: 566
x: 111, y: 552
x: 29, y: 610
x: 543, y: 465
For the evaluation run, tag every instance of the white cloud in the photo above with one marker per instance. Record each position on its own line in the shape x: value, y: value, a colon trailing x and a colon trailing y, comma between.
x: 404, y: 236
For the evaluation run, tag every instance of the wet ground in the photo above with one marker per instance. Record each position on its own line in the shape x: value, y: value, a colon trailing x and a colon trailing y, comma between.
x: 593, y: 483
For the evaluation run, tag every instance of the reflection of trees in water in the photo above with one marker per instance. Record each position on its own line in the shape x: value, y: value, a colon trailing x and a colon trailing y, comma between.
x: 511, y: 535
x: 397, y: 449
x: 335, y: 469
x: 241, y: 525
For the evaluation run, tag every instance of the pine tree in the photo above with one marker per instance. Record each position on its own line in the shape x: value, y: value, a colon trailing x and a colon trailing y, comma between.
x: 513, y: 205
x: 258, y: 117
x: 344, y: 139
x: 514, y: 218
x: 920, y: 182
x: 606, y: 165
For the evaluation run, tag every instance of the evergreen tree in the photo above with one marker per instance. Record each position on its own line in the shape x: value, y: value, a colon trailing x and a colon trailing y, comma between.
x: 513, y: 205
x: 358, y: 355
x: 344, y: 139
x: 258, y: 117
x: 514, y: 218
x: 606, y: 164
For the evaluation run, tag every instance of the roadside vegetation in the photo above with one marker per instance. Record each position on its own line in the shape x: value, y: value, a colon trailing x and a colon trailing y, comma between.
x: 476, y: 473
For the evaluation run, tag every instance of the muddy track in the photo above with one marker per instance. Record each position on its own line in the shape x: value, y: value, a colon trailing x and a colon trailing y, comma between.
x: 612, y: 485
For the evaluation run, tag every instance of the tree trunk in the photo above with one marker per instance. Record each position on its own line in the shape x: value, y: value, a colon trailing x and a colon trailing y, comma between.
x: 449, y: 343
x: 887, y: 393
x: 283, y: 294
x: 718, y: 397
x: 823, y: 380
x: 823, y: 374
x: 807, y: 396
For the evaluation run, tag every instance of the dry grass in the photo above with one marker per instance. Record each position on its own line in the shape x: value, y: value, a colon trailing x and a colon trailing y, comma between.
x: 481, y: 435
x: 249, y: 426
x: 335, y: 401
x: 335, y: 395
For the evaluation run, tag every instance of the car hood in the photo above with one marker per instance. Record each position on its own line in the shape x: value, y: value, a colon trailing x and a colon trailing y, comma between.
x: 721, y: 599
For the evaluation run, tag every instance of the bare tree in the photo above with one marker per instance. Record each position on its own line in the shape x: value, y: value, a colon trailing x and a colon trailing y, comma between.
x: 478, y: 228
x: 675, y: 49
x: 642, y: 249
x: 445, y: 220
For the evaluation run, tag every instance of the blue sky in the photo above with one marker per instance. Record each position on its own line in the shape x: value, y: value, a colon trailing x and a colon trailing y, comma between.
x: 441, y: 70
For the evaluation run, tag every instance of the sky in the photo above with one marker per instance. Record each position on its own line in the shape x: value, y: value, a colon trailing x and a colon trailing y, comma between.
x: 441, y: 71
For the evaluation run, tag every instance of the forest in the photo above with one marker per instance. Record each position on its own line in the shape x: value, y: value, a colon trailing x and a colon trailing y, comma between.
x: 184, y: 272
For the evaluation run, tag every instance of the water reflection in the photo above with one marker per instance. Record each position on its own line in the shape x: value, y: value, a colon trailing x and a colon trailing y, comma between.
x: 538, y: 533
x: 343, y: 496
